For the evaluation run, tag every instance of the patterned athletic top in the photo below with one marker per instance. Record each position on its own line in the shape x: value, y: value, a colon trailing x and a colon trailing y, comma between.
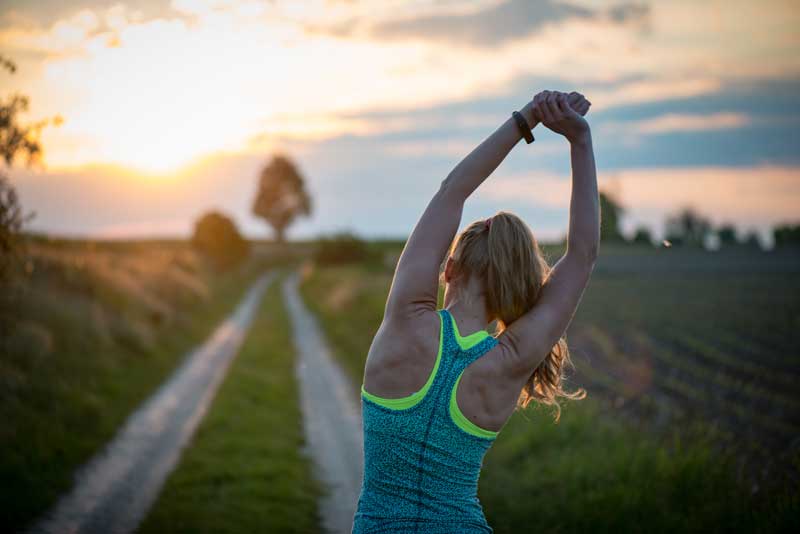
x: 422, y: 456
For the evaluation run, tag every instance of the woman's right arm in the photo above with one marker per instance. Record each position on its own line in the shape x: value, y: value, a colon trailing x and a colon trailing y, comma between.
x: 531, y: 337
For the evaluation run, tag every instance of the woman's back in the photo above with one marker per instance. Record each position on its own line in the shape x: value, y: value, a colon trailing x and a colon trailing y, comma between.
x: 422, y: 457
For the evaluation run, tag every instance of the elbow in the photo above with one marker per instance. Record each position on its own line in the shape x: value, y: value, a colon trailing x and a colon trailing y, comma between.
x: 448, y: 188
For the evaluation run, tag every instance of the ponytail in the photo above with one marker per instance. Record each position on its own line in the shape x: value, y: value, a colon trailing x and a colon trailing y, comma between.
x: 504, y: 252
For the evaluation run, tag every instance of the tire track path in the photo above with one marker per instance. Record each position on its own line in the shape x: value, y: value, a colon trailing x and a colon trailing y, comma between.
x: 115, y: 489
x: 331, y: 416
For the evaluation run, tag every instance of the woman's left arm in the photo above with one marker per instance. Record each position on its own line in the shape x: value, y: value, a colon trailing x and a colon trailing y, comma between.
x: 415, y: 287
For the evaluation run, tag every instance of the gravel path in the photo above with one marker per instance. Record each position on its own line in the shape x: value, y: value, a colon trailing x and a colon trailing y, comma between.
x: 115, y: 489
x: 331, y: 416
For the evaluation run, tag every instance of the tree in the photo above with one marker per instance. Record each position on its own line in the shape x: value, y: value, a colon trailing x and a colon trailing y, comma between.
x: 281, y: 195
x: 643, y: 236
x: 687, y: 227
x: 786, y: 235
x: 16, y: 140
x: 727, y: 235
x: 611, y: 213
x: 751, y: 239
x: 217, y: 238
x: 11, y: 220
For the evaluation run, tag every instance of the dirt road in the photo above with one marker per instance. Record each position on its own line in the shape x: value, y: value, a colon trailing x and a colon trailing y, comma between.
x: 114, y: 490
x: 331, y: 417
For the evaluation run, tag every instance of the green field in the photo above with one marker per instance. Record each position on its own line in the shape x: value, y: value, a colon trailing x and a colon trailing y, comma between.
x: 677, y: 335
x: 688, y: 358
x: 89, y: 331
x: 243, y: 470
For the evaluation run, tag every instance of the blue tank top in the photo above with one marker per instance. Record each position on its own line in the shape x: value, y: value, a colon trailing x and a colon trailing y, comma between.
x: 422, y: 456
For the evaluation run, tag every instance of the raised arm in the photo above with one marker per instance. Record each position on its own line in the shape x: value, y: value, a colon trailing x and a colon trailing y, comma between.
x: 532, y: 336
x: 415, y: 285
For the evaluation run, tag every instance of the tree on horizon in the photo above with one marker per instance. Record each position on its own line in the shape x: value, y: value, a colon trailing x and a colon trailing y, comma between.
x: 727, y: 235
x: 688, y: 227
x: 611, y: 211
x: 281, y: 195
x: 643, y: 236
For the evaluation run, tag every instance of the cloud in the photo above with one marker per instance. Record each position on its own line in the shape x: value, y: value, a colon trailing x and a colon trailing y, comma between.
x: 758, y: 196
x: 25, y: 14
x: 678, y: 122
x: 490, y: 26
x: 386, y: 109
x: 78, y: 33
x: 654, y: 88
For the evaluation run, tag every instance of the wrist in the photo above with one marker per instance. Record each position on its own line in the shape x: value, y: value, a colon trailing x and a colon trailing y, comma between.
x: 527, y: 112
x: 583, y: 139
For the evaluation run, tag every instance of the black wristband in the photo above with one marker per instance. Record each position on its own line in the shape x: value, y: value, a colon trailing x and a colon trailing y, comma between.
x: 524, y: 127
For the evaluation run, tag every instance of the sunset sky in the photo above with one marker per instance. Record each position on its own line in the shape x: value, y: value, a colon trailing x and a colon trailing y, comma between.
x: 171, y: 107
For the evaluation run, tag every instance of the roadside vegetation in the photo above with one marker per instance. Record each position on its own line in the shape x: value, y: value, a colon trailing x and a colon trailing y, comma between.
x: 244, y: 470
x: 88, y: 331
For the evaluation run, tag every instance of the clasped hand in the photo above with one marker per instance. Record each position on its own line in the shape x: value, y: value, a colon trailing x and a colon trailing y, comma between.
x: 562, y: 113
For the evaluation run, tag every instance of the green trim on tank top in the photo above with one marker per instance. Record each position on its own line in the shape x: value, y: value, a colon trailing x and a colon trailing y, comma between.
x: 404, y: 403
x: 461, y: 420
x: 469, y: 341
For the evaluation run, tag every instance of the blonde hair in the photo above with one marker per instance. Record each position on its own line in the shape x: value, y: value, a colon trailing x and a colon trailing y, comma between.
x: 506, y: 257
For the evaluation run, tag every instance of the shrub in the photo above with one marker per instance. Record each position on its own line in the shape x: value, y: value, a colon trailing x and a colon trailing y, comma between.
x: 218, y: 239
x: 11, y: 220
x: 642, y: 236
x: 341, y: 248
x: 786, y: 235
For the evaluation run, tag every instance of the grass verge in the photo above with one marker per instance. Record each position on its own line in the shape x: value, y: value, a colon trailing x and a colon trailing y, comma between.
x: 73, y: 368
x: 243, y: 471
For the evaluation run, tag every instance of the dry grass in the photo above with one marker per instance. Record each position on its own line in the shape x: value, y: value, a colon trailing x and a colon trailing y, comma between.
x: 87, y: 330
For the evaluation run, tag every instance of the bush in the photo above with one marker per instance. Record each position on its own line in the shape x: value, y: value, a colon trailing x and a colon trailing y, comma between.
x: 218, y: 239
x: 11, y: 220
x: 786, y: 235
x: 642, y: 236
x: 341, y: 248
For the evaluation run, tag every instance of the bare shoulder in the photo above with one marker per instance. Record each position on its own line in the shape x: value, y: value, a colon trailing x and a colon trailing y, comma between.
x: 414, y: 325
x: 404, y: 346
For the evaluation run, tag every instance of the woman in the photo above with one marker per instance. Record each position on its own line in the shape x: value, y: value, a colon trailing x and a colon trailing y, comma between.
x: 438, y: 387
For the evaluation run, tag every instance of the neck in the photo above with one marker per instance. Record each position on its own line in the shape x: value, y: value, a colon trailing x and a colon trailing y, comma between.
x: 468, y: 309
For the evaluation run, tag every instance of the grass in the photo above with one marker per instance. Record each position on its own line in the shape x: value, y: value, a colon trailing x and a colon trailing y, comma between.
x: 596, y: 470
x: 87, y: 334
x: 243, y: 471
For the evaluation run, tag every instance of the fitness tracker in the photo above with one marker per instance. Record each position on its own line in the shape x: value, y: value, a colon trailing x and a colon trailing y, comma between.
x: 524, y: 127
